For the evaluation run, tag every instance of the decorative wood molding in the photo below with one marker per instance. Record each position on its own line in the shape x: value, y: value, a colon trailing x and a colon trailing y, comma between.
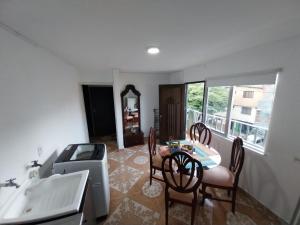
x: 133, y: 138
x: 128, y: 88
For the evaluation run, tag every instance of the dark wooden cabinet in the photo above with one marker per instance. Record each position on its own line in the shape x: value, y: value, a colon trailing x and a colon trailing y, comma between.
x: 131, y: 113
x: 134, y: 139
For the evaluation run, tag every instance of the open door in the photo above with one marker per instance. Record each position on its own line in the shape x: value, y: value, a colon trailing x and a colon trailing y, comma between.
x: 172, y: 112
x: 100, y: 112
x: 195, y: 105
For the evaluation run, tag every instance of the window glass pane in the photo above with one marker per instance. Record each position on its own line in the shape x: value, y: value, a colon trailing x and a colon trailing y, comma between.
x: 217, y: 103
x: 250, y: 117
x: 194, y: 103
x: 246, y: 110
x: 248, y: 94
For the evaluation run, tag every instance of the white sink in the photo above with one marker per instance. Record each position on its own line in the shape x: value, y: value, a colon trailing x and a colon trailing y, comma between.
x: 45, y: 199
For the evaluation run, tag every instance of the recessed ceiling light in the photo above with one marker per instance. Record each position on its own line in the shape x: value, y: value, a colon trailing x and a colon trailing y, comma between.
x: 153, y: 51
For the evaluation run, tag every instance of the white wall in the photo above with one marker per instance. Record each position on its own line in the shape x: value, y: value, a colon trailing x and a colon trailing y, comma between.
x: 147, y: 84
x: 274, y: 178
x: 118, y: 108
x: 40, y: 106
x: 177, y: 77
x: 104, y: 77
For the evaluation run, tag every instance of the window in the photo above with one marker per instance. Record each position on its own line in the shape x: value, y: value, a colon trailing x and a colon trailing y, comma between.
x: 229, y: 113
x: 252, y: 124
x: 216, y: 110
x: 231, y: 108
x: 246, y: 110
x: 248, y: 94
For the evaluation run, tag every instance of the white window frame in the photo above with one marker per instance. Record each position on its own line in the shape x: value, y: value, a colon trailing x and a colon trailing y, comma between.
x: 226, y: 134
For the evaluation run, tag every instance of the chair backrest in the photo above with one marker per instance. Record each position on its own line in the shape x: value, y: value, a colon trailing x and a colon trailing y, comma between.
x: 152, y: 143
x: 237, y: 158
x: 200, y: 132
x: 181, y: 172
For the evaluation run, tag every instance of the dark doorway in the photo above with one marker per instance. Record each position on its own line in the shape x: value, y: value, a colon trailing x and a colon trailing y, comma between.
x: 172, y: 112
x: 100, y: 112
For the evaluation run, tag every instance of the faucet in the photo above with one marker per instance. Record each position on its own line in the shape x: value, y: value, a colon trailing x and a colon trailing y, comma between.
x: 10, y: 183
x: 36, y: 164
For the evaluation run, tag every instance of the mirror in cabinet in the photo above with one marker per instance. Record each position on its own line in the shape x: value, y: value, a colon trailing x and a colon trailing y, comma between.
x: 131, y: 117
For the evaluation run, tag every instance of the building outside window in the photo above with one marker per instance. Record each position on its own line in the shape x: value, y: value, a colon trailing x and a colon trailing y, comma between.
x: 248, y: 94
x: 250, y: 117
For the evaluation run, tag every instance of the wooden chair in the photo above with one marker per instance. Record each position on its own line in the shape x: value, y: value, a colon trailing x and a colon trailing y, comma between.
x: 223, y: 178
x: 200, y: 132
x: 155, y: 158
x: 182, y: 175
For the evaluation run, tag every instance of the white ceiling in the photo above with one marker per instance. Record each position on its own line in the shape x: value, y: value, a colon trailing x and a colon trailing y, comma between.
x: 97, y: 35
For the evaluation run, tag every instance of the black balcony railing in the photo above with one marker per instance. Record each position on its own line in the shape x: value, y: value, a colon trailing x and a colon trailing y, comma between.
x: 251, y: 134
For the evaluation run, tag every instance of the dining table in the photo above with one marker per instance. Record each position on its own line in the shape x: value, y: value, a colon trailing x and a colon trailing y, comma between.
x: 208, y: 156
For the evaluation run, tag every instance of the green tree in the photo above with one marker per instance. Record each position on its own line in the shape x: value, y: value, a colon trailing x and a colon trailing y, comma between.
x: 217, y: 99
x: 195, y: 96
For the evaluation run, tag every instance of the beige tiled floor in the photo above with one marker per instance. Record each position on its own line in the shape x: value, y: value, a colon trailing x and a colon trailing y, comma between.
x: 134, y: 201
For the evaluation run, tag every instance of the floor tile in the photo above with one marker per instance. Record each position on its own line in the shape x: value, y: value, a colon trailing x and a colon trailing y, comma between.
x: 124, y: 177
x: 134, y: 213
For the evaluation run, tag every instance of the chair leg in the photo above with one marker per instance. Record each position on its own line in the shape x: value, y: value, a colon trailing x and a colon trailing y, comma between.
x: 154, y: 171
x: 166, y: 207
x: 194, y: 205
x: 233, y: 201
x: 203, y: 193
x: 150, y: 176
x: 228, y: 193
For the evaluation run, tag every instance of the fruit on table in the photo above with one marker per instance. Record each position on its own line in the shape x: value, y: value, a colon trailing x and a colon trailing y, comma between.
x: 188, y: 147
